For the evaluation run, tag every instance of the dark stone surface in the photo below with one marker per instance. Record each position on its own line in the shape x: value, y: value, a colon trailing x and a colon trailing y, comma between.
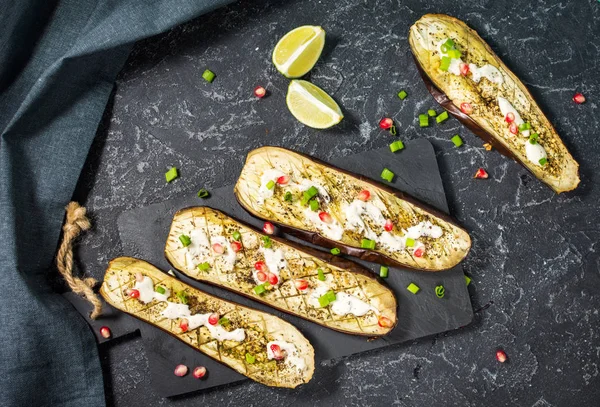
x: 535, y: 258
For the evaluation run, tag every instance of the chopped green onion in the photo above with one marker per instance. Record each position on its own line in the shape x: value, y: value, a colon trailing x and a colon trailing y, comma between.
x: 224, y: 321
x: 454, y: 53
x: 259, y: 289
x: 312, y: 191
x: 413, y: 288
x: 367, y: 244
x: 236, y: 235
x: 444, y: 48
x: 323, y: 301
x: 335, y: 251
x: 524, y: 126
x: 402, y: 94
x: 396, y: 146
x: 267, y: 242
x: 288, y: 196
x: 467, y: 279
x: 250, y: 359
x: 185, y: 240
x: 442, y: 117
x: 431, y: 113
x: 320, y: 275
x: 182, y: 297
x: 204, y: 266
x: 309, y: 194
x: 330, y: 295
x: 440, y: 291
x: 410, y: 242
x: 543, y: 161
x: 203, y: 193
x: 383, y: 271
x: 270, y: 184
x: 533, y: 138
x: 449, y: 43
x: 457, y: 140
x: 208, y: 75
x: 171, y: 174
x: 160, y: 289
x: 393, y: 130
x: 387, y: 175
x: 423, y: 120
x: 445, y: 64
x: 314, y: 205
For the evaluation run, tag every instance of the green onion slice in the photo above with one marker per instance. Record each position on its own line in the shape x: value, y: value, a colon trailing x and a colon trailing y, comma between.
x: 182, y: 297
x: 224, y: 321
x: 171, y: 174
x: 185, y: 240
x: 410, y: 242
x: 467, y: 279
x: 208, y: 75
x: 396, y: 146
x: 270, y: 184
x: 383, y: 271
x: 524, y: 126
x: 250, y: 359
x: 236, y: 235
x: 314, y: 205
x: 543, y: 161
x: 204, y: 266
x: 267, y: 242
x: 457, y: 140
x: 442, y: 117
x: 259, y: 289
x: 445, y: 64
x: 413, y: 288
x: 423, y: 120
x: 454, y: 53
x: 323, y: 301
x: 320, y: 275
x: 335, y: 251
x: 440, y: 291
x: 288, y: 196
x: 367, y: 244
x: 449, y: 43
x: 330, y: 295
x: 203, y: 193
x: 431, y: 113
x: 534, y: 138
x: 387, y: 175
x: 402, y: 94
x: 160, y: 289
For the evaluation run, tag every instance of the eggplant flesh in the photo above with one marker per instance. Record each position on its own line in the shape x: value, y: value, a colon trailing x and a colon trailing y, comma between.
x: 303, y: 274
x: 259, y: 328
x: 490, y: 98
x: 420, y: 238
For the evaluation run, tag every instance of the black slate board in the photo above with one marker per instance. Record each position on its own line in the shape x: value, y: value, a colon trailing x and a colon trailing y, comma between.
x: 143, y: 233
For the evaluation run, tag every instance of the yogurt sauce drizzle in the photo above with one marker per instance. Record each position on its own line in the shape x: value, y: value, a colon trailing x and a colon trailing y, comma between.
x: 486, y: 71
x: 331, y: 230
x: 264, y: 192
x: 506, y: 107
x: 344, y: 304
x: 147, y: 293
x: 275, y: 261
x: 199, y: 249
x: 292, y: 356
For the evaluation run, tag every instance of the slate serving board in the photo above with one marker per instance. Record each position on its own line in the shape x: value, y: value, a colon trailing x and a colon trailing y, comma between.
x: 143, y: 234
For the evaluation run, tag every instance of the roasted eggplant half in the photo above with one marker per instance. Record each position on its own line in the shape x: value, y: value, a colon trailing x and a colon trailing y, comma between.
x: 468, y: 79
x: 258, y: 345
x: 334, y: 208
x: 210, y: 246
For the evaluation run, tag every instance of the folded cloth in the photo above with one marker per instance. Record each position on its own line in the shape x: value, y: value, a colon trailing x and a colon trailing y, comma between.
x: 58, y: 62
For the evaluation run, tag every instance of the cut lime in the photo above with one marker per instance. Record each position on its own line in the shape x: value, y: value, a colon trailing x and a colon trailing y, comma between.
x: 298, y: 51
x: 312, y: 106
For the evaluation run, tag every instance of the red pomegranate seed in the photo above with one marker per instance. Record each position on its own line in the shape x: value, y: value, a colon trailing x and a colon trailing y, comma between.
x: 579, y: 98
x: 105, y: 332
x: 513, y: 128
x: 273, y: 279
x: 268, y: 228
x: 325, y: 217
x: 510, y: 117
x: 213, y: 318
x: 278, y: 354
x: 218, y: 248
x: 261, y: 276
x: 466, y: 108
x: 283, y: 180
x: 389, y: 225
x: 139, y: 277
x: 133, y: 293
x: 464, y: 69
x: 481, y: 174
x: 501, y: 356
x: 260, y: 92
x: 419, y: 251
x: 384, y: 322
x: 261, y: 266
x: 364, y: 195
x: 301, y: 284
x: 236, y: 246
x: 199, y: 372
x: 180, y: 370
x: 386, y: 123
x: 183, y: 324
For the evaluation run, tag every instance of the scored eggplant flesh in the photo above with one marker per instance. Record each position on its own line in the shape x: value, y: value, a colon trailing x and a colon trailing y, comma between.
x: 420, y: 238
x: 483, y: 94
x: 249, y: 357
x: 280, y: 273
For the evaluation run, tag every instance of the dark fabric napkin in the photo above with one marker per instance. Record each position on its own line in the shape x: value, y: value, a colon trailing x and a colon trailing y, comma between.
x: 58, y: 61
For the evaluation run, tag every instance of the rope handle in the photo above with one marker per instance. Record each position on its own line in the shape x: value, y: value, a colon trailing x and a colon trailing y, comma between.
x: 76, y: 222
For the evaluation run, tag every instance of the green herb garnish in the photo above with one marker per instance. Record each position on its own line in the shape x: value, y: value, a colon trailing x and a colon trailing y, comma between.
x: 204, y: 266
x: 160, y: 289
x: 431, y: 113
x: 224, y: 321
x: 314, y: 205
x: 267, y: 242
x: 250, y: 359
x: 445, y: 64
x: 320, y: 275
x: 330, y: 295
x: 270, y: 184
x: 454, y: 53
x: 543, y: 161
x: 208, y: 75
x: 467, y: 280
x: 402, y: 94
x: 440, y: 291
x: 236, y: 235
x: 413, y: 288
x: 442, y: 117
x: 457, y: 140
x: 335, y: 251
x: 410, y: 242
x: 203, y: 193
x: 387, y: 175
x: 396, y: 146
x: 383, y: 271
x: 367, y: 244
x: 524, y: 126
x: 171, y: 174
x: 182, y: 297
x: 534, y: 138
x: 259, y: 289
x: 185, y: 240
x: 423, y: 120
x: 288, y: 196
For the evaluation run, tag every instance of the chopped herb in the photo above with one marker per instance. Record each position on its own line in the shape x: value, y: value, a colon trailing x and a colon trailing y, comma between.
x: 323, y: 302
x: 442, y: 117
x: 171, y: 174
x: 330, y: 295
x: 410, y: 242
x: 185, y: 240
x: 309, y: 194
x: 208, y: 75
x: 236, y: 235
x: 160, y: 289
x: 314, y: 205
x: 543, y: 161
x: 270, y: 184
x: 431, y: 113
x: 312, y: 191
x: 457, y: 140
x: 383, y: 271
x: 267, y: 242
x: 335, y: 251
x: 393, y: 130
x: 203, y: 193
x: 413, y: 288
x: 444, y: 48
x: 534, y: 138
x: 204, y: 266
x: 396, y: 146
x: 259, y: 289
x: 402, y: 94
x: 320, y: 275
x: 288, y: 196
x: 250, y: 359
x: 182, y: 297
x: 367, y: 244
x: 445, y: 64
x: 454, y: 53
x: 440, y: 291
x: 423, y: 120
x: 387, y: 175
x: 449, y: 43
x: 224, y: 321
x: 524, y: 126
x: 467, y: 279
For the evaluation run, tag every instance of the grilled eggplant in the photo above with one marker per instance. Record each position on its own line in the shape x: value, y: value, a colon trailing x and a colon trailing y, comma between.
x: 208, y: 245
x: 469, y: 80
x: 258, y: 345
x: 334, y: 208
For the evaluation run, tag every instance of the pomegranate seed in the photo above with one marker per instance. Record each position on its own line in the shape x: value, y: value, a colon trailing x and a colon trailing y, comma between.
x: 384, y: 322
x: 260, y: 266
x: 218, y: 248
x: 464, y: 69
x: 199, y: 372
x: 481, y: 174
x: 579, y: 98
x: 273, y: 279
x: 261, y: 276
x: 213, y: 318
x: 133, y: 293
x: 389, y: 225
x: 325, y: 217
x: 236, y: 246
x: 139, y: 277
x: 301, y: 284
x: 466, y: 108
x: 180, y: 370
x: 386, y: 123
x: 419, y: 251
x: 510, y: 117
x: 105, y: 332
x: 513, y: 128
x: 268, y: 228
x: 183, y: 324
x: 501, y: 356
x: 364, y: 195
x: 278, y: 354
x: 260, y: 92
x: 283, y: 180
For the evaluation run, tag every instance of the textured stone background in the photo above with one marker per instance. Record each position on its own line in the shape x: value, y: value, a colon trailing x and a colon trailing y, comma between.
x: 534, y: 262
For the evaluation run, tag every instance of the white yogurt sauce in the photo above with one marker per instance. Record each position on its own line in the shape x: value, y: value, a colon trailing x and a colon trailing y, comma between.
x: 506, y: 107
x: 350, y: 304
x: 274, y: 260
x: 535, y: 152
x: 392, y: 242
x: 313, y: 298
x: 229, y: 255
x: 333, y: 230
x: 424, y: 229
x: 269, y: 175
x: 198, y: 249
x: 292, y: 356
x: 147, y: 293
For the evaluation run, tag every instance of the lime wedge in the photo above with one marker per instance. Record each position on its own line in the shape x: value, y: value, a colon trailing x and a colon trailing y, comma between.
x: 298, y: 51
x: 312, y: 106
